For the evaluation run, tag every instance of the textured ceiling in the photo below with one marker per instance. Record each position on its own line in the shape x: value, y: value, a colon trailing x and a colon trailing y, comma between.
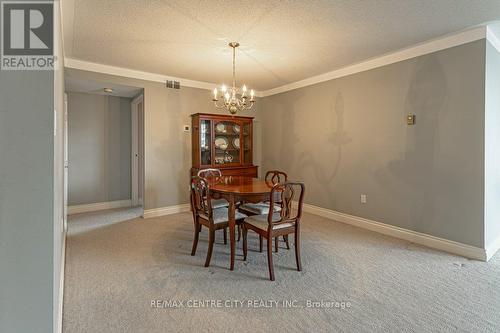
x: 74, y: 84
x: 282, y: 41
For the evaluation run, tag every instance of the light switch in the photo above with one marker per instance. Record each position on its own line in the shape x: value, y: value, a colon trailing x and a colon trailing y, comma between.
x: 186, y: 128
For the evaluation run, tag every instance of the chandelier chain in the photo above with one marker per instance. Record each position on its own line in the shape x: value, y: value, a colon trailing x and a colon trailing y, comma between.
x: 234, y: 67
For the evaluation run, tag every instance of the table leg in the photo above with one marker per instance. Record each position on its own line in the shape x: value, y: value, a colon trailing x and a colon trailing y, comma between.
x: 232, y: 225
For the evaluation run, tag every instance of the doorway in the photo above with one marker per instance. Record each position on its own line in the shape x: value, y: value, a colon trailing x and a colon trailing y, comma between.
x: 105, y: 146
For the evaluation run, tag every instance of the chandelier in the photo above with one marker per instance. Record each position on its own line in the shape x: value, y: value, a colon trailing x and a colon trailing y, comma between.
x: 234, y: 99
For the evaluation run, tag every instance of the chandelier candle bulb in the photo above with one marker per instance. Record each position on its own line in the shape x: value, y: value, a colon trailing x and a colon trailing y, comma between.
x: 215, y: 94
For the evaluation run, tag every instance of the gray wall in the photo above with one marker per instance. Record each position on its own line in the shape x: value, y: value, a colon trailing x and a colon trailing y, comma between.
x: 348, y: 137
x: 26, y: 200
x: 30, y: 225
x: 492, y: 146
x: 100, y: 141
x: 167, y: 147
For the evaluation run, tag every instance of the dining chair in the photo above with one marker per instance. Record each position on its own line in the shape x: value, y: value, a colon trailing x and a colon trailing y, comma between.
x: 217, y: 203
x: 272, y: 177
x: 205, y: 215
x: 213, y: 173
x: 275, y: 224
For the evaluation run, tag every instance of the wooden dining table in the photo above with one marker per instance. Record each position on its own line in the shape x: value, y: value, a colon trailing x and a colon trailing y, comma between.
x: 236, y: 189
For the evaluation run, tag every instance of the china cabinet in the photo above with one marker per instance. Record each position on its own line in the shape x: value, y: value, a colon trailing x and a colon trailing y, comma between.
x: 223, y: 142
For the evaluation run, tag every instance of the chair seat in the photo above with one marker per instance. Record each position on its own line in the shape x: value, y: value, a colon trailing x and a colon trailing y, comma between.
x: 260, y: 208
x: 219, y: 203
x: 260, y: 221
x: 219, y: 215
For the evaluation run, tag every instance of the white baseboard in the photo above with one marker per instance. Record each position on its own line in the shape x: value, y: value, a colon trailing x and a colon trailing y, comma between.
x: 99, y: 206
x: 492, y: 248
x: 386, y: 229
x: 409, y: 235
x: 155, y: 212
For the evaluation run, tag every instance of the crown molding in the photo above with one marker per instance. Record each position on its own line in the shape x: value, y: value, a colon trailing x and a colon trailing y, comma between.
x: 492, y: 38
x: 431, y: 46
x: 132, y: 73
x: 84, y: 65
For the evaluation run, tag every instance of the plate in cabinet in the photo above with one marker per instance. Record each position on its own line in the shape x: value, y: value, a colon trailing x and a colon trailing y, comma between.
x: 221, y: 142
x: 220, y: 128
x: 236, y: 143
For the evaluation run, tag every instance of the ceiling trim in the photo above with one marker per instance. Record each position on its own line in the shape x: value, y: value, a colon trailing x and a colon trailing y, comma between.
x: 493, y: 39
x: 431, y: 46
x: 132, y: 73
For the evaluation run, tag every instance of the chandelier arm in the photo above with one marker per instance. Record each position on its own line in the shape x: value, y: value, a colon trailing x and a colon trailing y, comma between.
x: 218, y: 106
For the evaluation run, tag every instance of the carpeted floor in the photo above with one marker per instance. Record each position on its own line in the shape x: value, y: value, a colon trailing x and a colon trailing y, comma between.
x: 117, y: 264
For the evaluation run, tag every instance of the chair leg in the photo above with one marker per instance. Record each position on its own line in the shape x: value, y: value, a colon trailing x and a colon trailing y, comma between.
x: 195, y: 240
x: 239, y: 233
x: 245, y: 249
x: 297, y: 249
x: 225, y: 236
x: 270, y: 258
x: 260, y: 243
x: 211, y: 239
x: 285, y: 238
x: 276, y: 240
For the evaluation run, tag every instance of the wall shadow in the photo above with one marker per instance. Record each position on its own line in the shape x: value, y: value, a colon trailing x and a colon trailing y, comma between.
x: 323, y: 170
x: 414, y: 176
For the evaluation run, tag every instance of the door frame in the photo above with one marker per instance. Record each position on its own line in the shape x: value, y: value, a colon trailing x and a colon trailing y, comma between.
x: 66, y: 163
x: 135, y: 158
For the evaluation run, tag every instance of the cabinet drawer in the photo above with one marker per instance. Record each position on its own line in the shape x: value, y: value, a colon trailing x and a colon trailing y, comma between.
x: 250, y: 172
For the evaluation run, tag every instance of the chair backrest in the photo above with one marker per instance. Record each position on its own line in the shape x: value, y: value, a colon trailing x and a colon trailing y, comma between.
x: 200, y: 196
x: 206, y: 173
x: 276, y: 176
x: 286, y: 193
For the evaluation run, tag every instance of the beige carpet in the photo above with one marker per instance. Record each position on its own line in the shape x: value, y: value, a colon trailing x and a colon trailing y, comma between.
x: 116, y: 265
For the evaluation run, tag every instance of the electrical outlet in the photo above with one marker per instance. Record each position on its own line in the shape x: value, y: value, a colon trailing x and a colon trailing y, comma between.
x: 363, y: 198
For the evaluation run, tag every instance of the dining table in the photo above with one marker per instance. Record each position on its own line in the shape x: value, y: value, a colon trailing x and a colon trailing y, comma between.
x: 237, y: 189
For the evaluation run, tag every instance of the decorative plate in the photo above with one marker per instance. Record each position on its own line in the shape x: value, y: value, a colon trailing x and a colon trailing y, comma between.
x: 236, y: 143
x: 220, y: 127
x: 221, y: 142
x: 236, y: 128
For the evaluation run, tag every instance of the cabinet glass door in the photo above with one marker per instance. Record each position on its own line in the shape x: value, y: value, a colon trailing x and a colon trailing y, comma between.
x: 205, y: 142
x: 247, y: 144
x: 227, y: 142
